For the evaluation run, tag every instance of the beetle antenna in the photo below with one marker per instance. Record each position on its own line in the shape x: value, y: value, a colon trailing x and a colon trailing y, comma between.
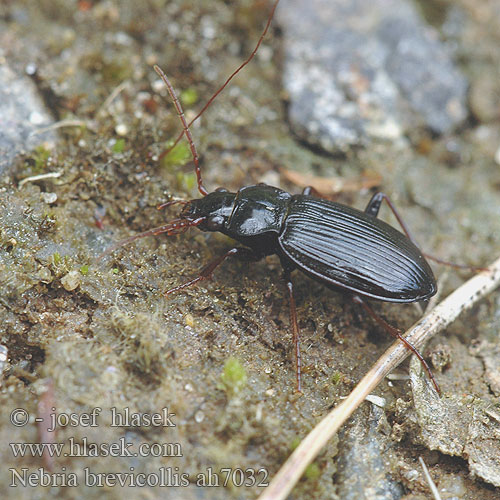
x: 170, y: 203
x: 225, y: 84
x: 185, y: 127
x: 177, y: 226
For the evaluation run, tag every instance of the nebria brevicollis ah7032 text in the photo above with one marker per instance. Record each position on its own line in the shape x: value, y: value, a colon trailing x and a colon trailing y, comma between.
x: 339, y: 246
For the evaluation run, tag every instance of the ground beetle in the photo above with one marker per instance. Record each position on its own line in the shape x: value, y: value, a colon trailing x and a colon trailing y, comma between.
x: 337, y: 245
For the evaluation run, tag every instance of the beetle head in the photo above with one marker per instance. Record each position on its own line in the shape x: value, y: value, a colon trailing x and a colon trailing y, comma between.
x: 215, y: 210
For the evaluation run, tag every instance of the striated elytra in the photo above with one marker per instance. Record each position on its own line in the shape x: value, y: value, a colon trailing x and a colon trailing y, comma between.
x: 332, y: 243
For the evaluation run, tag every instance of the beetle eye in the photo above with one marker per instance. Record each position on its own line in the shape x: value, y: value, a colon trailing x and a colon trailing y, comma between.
x: 215, y: 223
x: 221, y: 190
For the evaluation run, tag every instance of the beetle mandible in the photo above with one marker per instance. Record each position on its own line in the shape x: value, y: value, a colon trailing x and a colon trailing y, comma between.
x: 337, y: 245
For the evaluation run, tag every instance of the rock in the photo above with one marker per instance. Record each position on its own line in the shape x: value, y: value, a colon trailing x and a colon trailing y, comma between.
x: 22, y: 114
x: 359, y: 71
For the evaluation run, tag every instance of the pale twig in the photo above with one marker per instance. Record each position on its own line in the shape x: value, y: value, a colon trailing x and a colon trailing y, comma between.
x: 433, y: 322
x: 48, y: 175
x: 83, y: 123
x: 429, y: 480
x: 111, y: 97
x: 62, y: 124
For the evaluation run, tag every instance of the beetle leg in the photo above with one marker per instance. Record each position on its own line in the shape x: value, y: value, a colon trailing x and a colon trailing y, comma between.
x: 207, y: 271
x: 295, y: 326
x: 310, y: 191
x: 374, y: 206
x: 397, y: 334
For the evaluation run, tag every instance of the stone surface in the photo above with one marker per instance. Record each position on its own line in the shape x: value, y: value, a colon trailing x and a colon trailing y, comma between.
x: 357, y: 71
x: 22, y: 115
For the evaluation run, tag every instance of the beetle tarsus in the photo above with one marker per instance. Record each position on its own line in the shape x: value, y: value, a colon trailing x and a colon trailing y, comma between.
x: 397, y: 334
x: 475, y: 269
x: 207, y: 271
x: 295, y: 329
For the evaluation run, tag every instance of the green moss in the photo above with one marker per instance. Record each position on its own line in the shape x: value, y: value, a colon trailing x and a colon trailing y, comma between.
x: 60, y: 264
x: 312, y: 472
x: 186, y: 182
x: 234, y: 377
x: 295, y: 443
x: 118, y: 146
x: 84, y: 269
x: 56, y: 259
x: 336, y: 377
x: 189, y: 97
x: 179, y: 155
x: 40, y: 157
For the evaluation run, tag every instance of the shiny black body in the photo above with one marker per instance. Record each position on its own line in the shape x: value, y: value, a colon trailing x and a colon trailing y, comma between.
x: 332, y: 243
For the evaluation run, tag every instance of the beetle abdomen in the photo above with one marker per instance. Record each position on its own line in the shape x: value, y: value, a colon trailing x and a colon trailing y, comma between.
x: 347, y: 248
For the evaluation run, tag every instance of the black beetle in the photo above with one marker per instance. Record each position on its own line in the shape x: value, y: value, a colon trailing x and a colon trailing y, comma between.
x: 334, y: 244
